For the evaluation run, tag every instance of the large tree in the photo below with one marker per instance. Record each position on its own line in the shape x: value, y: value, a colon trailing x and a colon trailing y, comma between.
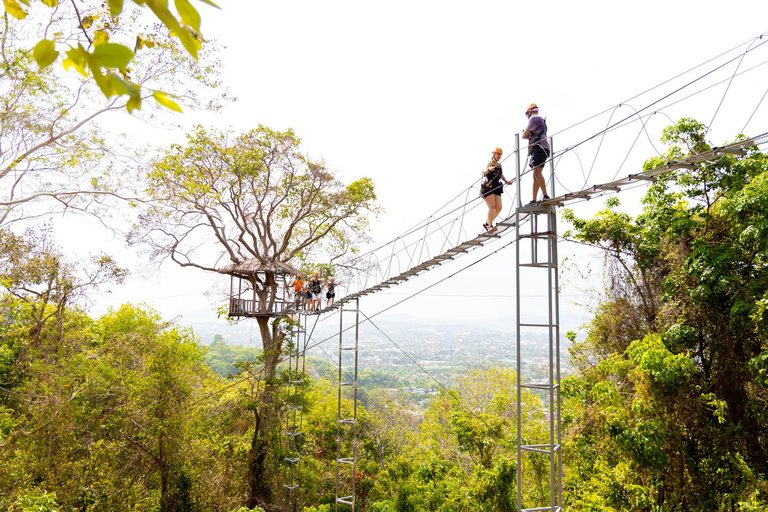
x: 225, y: 199
x: 672, y: 373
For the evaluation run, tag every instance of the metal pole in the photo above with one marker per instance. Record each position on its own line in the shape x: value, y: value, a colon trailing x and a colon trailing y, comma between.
x: 518, y: 366
x: 517, y: 170
x: 338, y: 410
x: 551, y: 169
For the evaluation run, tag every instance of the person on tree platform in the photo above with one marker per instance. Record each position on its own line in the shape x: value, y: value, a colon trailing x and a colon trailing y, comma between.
x: 316, y: 289
x: 491, y: 187
x: 307, y: 294
x: 298, y: 290
x: 330, y: 295
x: 538, y: 150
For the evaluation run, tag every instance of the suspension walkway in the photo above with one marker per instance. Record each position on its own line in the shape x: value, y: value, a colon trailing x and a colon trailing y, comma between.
x: 422, y: 253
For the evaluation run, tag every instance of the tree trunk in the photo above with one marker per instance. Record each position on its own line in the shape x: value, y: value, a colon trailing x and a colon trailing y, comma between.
x: 266, y: 419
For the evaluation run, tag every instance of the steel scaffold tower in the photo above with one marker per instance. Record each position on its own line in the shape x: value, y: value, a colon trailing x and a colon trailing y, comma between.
x: 537, y: 263
x: 346, y: 427
x: 297, y: 338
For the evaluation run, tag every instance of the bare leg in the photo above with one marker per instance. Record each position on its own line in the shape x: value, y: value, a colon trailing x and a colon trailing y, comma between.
x: 497, y: 206
x: 538, y: 182
x: 491, y: 202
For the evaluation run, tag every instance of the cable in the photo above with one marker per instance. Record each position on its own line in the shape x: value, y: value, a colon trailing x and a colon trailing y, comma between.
x: 754, y: 111
x: 728, y: 87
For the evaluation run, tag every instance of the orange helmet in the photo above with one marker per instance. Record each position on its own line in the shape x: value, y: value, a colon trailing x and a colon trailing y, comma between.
x: 531, y: 107
x: 498, y: 150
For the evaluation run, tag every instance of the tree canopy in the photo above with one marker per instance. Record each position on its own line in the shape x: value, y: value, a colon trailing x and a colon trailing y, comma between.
x: 672, y: 371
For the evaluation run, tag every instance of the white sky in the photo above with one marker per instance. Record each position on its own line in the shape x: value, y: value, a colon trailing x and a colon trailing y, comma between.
x: 416, y: 94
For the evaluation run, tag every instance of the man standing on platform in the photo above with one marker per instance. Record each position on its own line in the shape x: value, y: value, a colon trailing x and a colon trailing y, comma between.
x: 298, y: 290
x: 538, y: 150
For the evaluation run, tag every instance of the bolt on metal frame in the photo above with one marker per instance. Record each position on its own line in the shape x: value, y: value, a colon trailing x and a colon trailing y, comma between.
x: 541, y: 265
x: 297, y: 338
x: 346, y: 454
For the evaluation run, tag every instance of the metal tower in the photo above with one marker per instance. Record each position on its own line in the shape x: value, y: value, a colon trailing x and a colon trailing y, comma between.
x: 346, y: 421
x: 537, y: 270
x: 297, y: 338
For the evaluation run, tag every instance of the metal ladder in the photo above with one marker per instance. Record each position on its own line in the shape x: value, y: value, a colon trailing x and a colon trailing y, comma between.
x: 537, y: 264
x: 297, y: 338
x: 346, y: 424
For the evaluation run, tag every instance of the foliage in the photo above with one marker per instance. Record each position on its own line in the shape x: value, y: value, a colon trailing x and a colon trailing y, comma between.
x: 55, y: 156
x: 670, y: 382
x: 94, y: 53
x: 260, y: 201
x: 256, y: 195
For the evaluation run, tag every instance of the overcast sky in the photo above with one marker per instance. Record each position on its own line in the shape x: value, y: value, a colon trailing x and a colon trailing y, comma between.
x: 417, y: 94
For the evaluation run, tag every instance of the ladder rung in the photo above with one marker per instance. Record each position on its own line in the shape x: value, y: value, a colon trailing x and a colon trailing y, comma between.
x: 347, y: 422
x: 346, y: 460
x: 290, y: 487
x: 295, y: 407
x: 293, y: 434
x: 348, y: 500
x: 538, y: 325
x: 292, y: 460
x: 539, y: 265
x: 540, y: 386
x: 542, y: 509
x: 539, y: 448
x: 347, y: 383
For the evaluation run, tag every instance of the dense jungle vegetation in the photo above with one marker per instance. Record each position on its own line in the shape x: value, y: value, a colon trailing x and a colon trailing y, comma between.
x: 668, y: 410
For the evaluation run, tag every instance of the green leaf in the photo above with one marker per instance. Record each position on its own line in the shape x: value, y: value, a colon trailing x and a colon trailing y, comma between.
x: 134, y: 103
x: 77, y: 58
x: 165, y: 101
x: 162, y: 12
x: 115, y: 7
x: 210, y: 3
x: 189, y: 15
x: 121, y: 86
x: 112, y: 55
x: 100, y: 37
x: 45, y: 53
x: 103, y: 82
x: 13, y: 8
x: 51, y: 3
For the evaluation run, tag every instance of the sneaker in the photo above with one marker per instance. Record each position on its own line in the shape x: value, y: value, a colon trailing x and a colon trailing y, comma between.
x: 545, y: 198
x: 486, y: 227
x: 532, y: 203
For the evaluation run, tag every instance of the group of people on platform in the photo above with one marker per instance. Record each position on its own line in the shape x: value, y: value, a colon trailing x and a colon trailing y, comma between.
x: 308, y: 294
x: 492, y: 184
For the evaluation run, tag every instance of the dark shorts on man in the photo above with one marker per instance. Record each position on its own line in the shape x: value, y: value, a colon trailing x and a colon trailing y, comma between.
x: 539, y: 155
x: 330, y: 295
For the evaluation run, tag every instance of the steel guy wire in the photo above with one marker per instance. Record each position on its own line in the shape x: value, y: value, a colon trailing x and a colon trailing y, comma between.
x: 749, y: 41
x: 728, y: 87
x: 754, y: 111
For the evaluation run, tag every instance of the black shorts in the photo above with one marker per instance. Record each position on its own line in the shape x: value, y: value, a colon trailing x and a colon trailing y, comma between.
x: 539, y: 155
x: 494, y: 189
x: 330, y: 295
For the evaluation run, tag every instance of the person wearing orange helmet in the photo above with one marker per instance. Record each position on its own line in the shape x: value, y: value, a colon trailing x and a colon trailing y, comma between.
x: 491, y: 187
x: 298, y: 290
x: 538, y: 150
